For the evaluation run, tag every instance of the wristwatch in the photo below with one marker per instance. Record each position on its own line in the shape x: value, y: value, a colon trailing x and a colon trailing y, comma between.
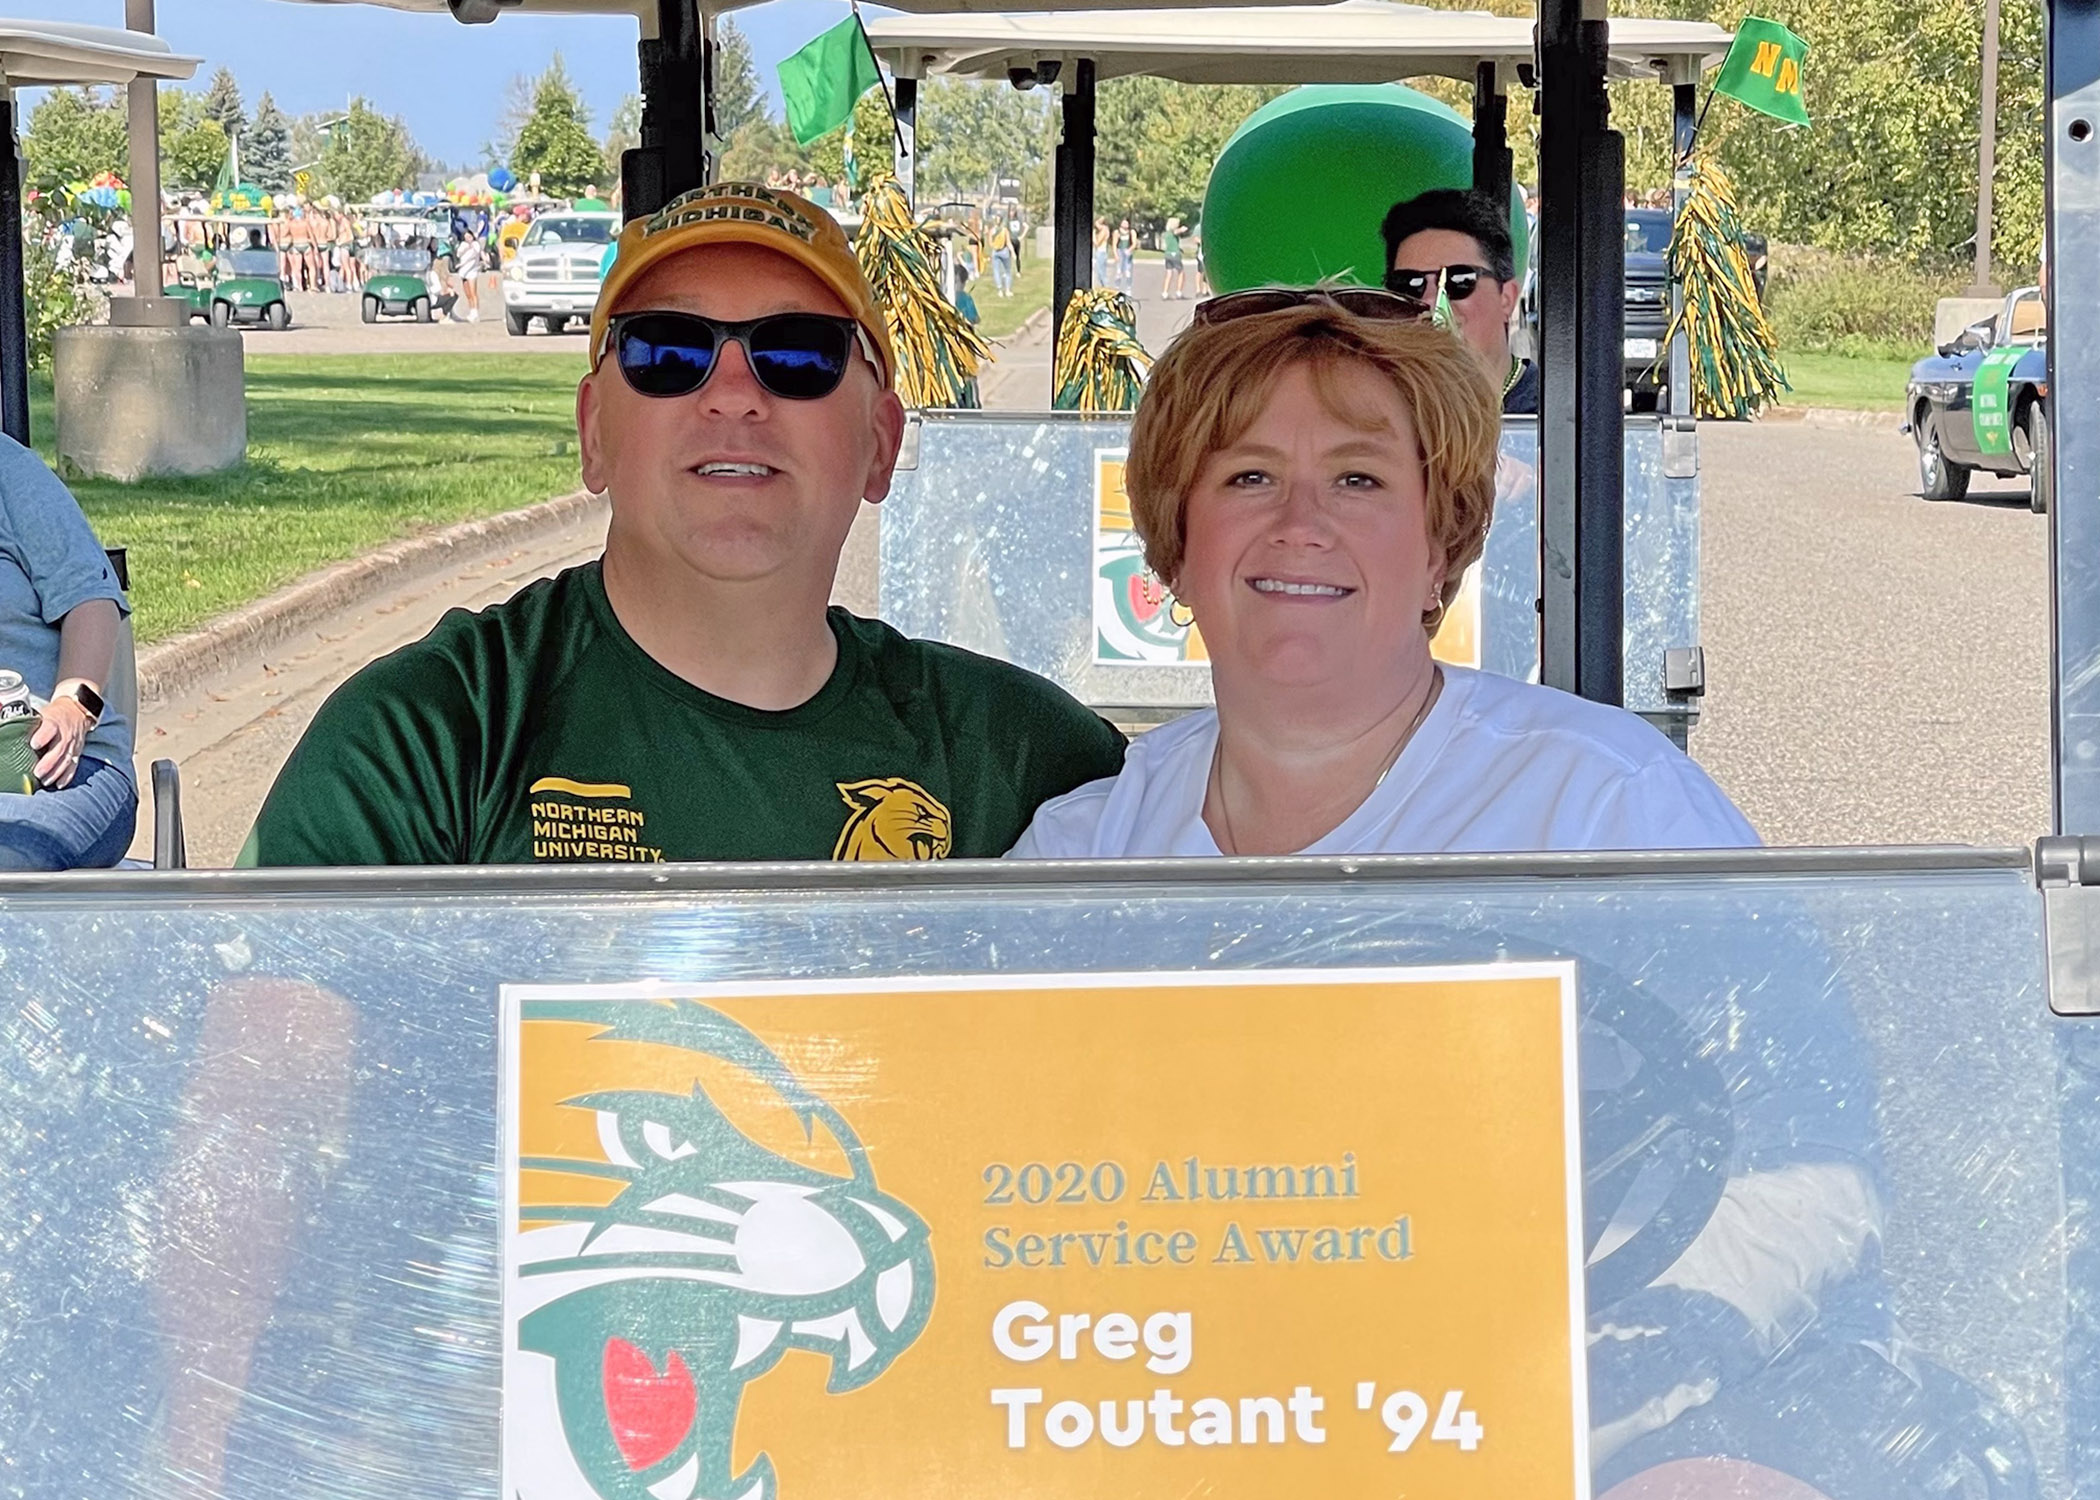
x: 85, y: 695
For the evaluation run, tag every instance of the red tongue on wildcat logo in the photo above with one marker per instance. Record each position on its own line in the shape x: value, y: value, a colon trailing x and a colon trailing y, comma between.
x: 650, y: 1413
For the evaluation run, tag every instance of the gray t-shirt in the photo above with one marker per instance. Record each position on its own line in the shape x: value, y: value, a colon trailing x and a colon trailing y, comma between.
x: 50, y: 563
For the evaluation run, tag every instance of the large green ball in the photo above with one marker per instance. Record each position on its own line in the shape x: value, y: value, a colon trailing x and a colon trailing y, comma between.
x: 1298, y: 193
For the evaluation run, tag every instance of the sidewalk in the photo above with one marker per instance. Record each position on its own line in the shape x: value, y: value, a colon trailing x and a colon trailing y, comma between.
x: 1019, y: 380
x: 231, y: 730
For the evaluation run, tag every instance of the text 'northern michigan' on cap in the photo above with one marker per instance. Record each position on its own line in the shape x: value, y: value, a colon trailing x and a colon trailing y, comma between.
x: 744, y: 213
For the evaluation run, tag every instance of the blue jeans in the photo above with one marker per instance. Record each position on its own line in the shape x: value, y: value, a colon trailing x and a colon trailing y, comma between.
x: 86, y: 825
x: 1003, y: 272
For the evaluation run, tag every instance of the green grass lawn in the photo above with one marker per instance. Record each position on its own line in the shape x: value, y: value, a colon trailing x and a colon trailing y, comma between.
x: 1860, y: 384
x: 345, y: 453
x: 1000, y: 316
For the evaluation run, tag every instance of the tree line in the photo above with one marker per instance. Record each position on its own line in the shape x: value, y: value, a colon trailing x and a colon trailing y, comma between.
x: 75, y: 134
x: 1888, y: 167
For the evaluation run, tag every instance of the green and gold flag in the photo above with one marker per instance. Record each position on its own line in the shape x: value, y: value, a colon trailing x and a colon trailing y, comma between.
x: 821, y: 83
x: 1763, y: 70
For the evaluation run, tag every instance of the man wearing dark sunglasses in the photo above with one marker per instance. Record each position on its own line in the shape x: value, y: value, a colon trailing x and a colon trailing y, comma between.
x: 691, y: 696
x: 1458, y: 244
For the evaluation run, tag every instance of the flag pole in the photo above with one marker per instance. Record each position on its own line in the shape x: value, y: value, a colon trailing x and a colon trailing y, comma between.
x: 1691, y: 146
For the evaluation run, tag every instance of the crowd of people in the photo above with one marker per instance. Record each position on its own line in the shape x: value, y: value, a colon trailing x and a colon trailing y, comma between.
x: 818, y: 189
x: 317, y: 243
x: 325, y: 247
x: 1115, y: 257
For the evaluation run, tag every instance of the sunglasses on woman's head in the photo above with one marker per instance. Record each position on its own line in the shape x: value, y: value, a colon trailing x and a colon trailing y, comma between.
x: 1358, y: 301
x: 1460, y: 282
x: 796, y: 356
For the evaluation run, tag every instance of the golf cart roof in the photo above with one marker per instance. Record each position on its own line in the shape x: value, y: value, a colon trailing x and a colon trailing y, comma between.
x: 1354, y: 41
x: 36, y: 53
x: 645, y: 10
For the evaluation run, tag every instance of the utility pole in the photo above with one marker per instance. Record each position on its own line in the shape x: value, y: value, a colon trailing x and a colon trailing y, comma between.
x: 1986, y: 152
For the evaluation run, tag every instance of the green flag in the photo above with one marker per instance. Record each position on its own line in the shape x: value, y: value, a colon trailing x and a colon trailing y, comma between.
x: 1763, y: 70
x: 823, y: 81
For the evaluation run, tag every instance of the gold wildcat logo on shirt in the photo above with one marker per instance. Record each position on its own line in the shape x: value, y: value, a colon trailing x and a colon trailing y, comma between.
x: 893, y: 818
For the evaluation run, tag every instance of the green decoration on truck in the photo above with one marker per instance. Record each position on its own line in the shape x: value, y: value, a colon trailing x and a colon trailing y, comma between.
x: 1993, y: 399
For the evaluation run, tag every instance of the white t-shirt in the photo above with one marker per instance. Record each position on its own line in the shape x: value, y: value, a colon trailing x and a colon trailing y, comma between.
x: 1498, y: 766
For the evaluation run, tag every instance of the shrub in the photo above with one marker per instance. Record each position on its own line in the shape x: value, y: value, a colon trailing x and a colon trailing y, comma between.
x: 1846, y: 304
x: 1861, y: 305
x: 57, y: 297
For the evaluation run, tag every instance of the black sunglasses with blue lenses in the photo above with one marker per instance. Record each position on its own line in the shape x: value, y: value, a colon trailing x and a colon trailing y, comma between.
x: 797, y: 356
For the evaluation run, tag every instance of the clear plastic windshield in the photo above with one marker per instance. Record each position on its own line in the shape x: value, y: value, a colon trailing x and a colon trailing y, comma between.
x: 1837, y: 1160
x: 397, y: 260
x: 249, y: 263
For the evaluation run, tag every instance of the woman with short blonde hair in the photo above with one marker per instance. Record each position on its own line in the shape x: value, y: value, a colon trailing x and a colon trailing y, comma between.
x: 1311, y: 472
x: 1205, y: 393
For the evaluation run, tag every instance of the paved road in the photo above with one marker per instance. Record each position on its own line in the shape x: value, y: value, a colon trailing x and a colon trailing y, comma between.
x: 1878, y: 663
x: 329, y: 323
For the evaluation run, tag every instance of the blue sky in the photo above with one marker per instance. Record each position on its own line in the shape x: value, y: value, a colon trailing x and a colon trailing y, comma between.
x: 445, y: 79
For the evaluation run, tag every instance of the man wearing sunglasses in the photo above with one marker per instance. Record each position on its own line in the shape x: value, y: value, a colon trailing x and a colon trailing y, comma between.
x: 691, y: 696
x: 1458, y: 244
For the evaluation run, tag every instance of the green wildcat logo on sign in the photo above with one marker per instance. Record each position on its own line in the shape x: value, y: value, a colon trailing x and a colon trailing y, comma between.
x: 660, y: 1258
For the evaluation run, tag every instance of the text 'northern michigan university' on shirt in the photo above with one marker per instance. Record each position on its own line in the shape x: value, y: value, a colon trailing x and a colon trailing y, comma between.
x: 1498, y: 766
x: 539, y: 731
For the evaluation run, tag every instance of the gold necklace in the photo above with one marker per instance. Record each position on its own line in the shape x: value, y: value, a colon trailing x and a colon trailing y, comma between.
x: 1217, y: 776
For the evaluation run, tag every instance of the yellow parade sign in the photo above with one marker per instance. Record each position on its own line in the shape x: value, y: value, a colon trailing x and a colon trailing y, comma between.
x: 1144, y: 1236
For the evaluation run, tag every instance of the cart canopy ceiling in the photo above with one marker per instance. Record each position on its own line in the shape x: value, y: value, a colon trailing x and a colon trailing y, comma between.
x: 1355, y: 41
x: 38, y: 54
x: 645, y: 10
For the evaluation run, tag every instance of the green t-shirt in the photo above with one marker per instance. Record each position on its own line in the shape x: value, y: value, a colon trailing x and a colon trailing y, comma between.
x: 539, y: 731
x: 1169, y: 244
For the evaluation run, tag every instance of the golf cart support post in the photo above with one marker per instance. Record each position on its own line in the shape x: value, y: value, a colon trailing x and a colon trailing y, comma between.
x: 35, y: 54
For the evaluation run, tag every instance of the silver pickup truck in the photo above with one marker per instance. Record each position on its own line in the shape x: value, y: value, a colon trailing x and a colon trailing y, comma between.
x: 557, y: 270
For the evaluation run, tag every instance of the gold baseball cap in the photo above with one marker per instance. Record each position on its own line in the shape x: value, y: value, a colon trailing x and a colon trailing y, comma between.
x: 744, y: 213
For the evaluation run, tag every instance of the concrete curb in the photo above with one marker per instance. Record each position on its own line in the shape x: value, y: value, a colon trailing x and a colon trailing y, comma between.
x: 1836, y: 416
x: 172, y: 666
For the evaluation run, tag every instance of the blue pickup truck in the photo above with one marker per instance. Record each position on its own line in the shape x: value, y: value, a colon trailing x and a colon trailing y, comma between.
x: 1982, y: 402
